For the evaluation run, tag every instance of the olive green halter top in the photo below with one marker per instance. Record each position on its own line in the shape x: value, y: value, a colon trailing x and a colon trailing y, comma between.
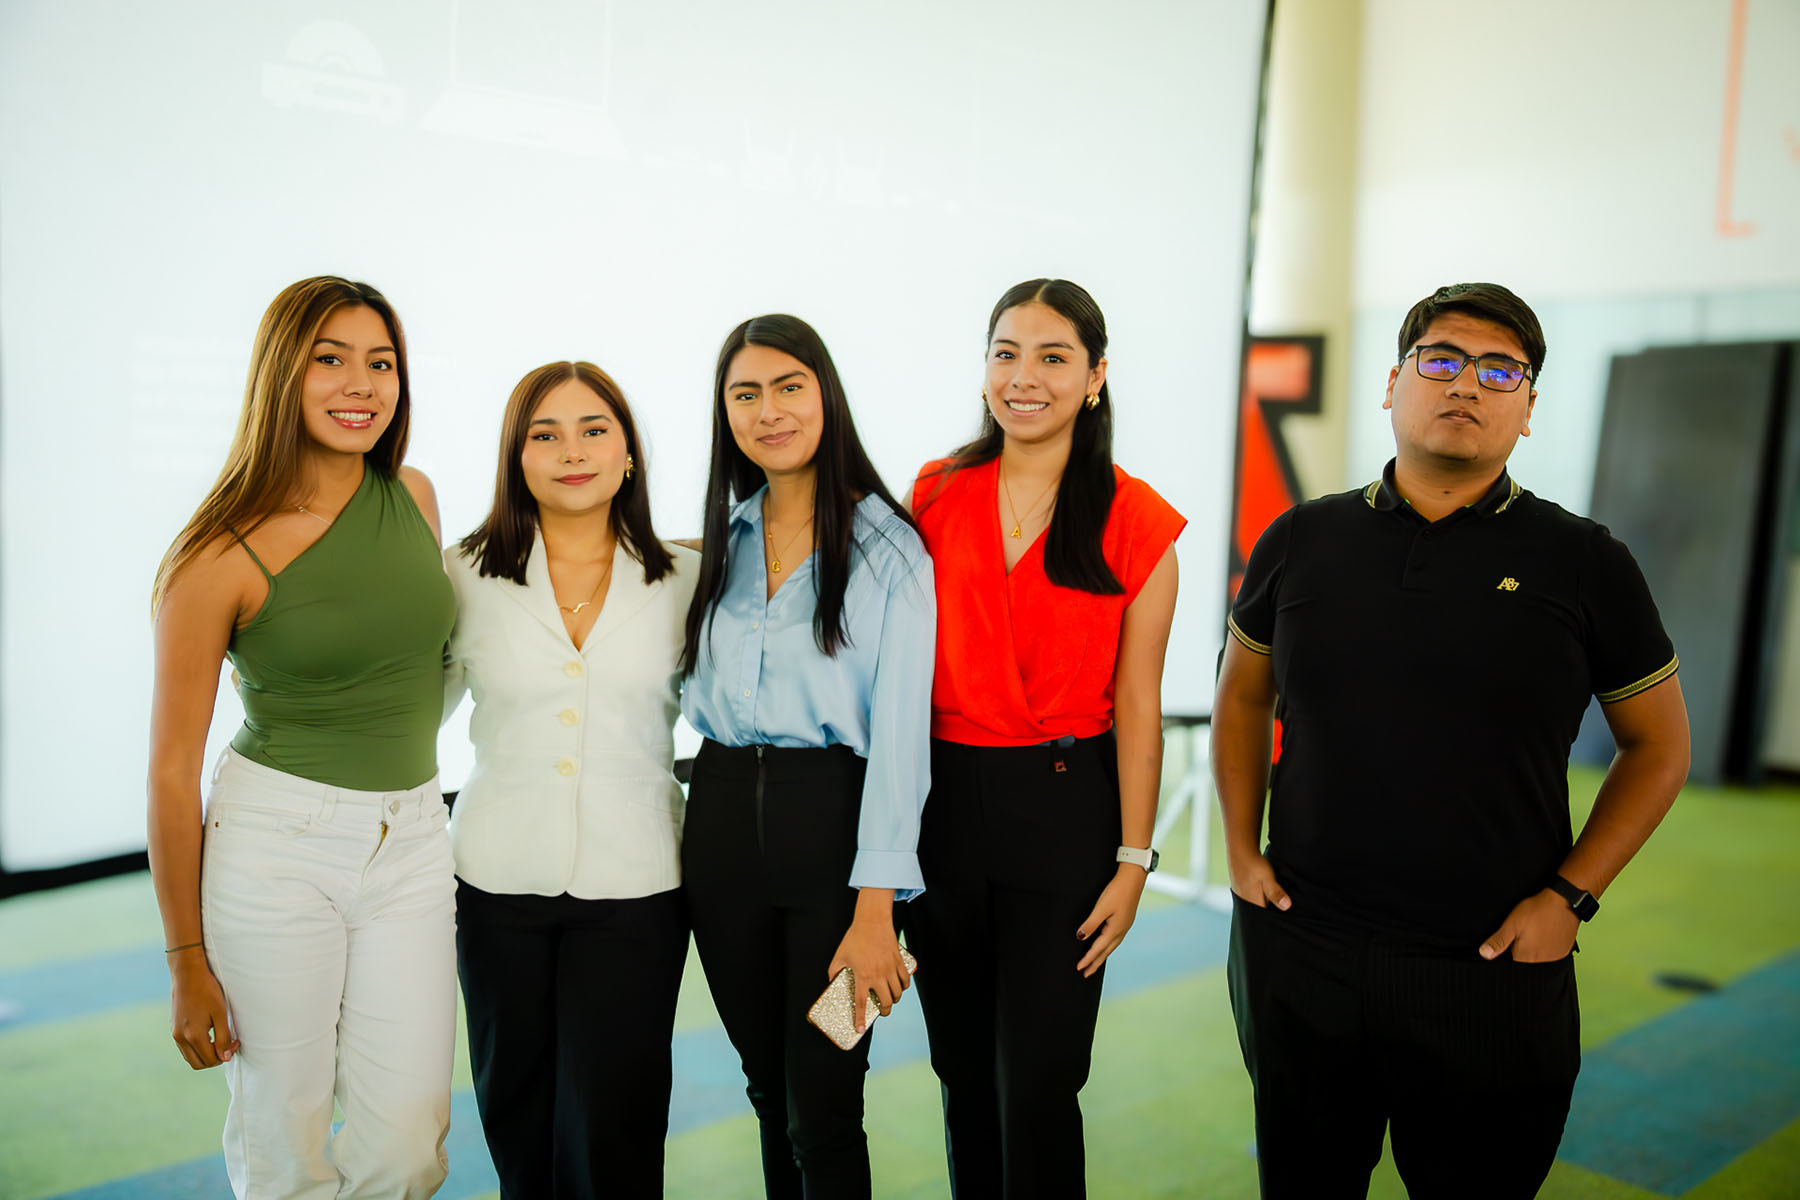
x: 342, y: 668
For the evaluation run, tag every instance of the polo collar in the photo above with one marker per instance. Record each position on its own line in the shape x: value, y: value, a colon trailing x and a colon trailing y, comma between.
x: 1384, y: 496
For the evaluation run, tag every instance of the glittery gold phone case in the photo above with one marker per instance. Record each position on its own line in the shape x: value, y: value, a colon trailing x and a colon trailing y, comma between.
x: 833, y: 1014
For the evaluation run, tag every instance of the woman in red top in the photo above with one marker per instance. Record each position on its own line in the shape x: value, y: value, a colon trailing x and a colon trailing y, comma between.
x: 1055, y: 587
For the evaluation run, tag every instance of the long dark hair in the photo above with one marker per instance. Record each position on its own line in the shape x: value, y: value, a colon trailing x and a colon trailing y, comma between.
x: 501, y: 544
x: 1072, y: 544
x: 843, y: 475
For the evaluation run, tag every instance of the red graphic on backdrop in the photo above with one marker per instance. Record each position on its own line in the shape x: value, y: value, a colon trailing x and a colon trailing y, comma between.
x: 1281, y: 378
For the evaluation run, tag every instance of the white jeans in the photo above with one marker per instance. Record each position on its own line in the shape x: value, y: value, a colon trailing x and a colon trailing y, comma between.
x: 330, y: 920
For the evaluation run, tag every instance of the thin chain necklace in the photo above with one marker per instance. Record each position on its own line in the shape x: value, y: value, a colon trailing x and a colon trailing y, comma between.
x: 315, y: 516
x: 575, y: 610
x: 1014, y: 509
x: 775, y: 553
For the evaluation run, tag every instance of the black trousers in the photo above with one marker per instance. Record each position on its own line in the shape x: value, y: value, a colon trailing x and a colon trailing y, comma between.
x: 571, y: 1009
x: 1468, y: 1064
x: 1016, y: 845
x: 769, y: 844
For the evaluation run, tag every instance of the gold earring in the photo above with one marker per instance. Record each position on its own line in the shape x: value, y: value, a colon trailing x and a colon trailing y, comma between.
x: 984, y: 395
x: 628, y: 465
x: 1093, y: 401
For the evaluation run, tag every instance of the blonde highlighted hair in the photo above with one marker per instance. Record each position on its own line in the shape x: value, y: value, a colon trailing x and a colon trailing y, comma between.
x: 263, y: 469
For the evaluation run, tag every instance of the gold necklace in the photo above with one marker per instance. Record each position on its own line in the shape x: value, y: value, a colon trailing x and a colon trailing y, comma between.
x: 776, y: 553
x: 575, y: 611
x: 1014, y: 509
x: 315, y: 516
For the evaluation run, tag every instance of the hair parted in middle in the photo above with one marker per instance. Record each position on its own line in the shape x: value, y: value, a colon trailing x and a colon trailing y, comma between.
x: 842, y: 476
x: 501, y: 545
x: 1084, y: 497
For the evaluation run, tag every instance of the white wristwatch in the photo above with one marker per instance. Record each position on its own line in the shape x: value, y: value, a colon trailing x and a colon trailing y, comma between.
x: 1146, y: 859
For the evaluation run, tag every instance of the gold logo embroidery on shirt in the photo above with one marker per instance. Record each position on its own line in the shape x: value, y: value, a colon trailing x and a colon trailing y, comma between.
x: 1509, y: 584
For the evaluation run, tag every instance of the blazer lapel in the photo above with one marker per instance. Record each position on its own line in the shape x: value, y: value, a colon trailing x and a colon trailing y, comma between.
x: 626, y: 595
x: 538, y: 597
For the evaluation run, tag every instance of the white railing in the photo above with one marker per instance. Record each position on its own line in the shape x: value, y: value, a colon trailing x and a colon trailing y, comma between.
x: 1192, y: 797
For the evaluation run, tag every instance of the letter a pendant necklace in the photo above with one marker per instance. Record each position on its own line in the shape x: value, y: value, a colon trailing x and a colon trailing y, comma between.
x: 1018, y: 521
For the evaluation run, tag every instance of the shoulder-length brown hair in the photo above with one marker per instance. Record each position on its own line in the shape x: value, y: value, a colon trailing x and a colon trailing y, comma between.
x: 262, y: 471
x: 501, y: 545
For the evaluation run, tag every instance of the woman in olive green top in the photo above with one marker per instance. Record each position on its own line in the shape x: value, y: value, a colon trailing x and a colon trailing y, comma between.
x: 310, y: 916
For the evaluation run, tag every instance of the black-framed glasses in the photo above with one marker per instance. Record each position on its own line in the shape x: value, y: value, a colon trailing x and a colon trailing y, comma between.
x: 1444, y: 363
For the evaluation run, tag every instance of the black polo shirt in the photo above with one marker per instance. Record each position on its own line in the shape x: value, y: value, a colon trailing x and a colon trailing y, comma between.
x: 1432, y: 677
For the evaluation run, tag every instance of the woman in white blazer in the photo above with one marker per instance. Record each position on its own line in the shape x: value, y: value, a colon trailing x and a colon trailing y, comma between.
x: 571, y: 928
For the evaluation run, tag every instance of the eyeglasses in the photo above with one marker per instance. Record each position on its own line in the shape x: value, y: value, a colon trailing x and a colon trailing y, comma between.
x: 1493, y: 371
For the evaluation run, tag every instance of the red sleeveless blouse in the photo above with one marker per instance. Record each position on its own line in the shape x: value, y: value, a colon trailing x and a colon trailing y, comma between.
x: 1021, y: 660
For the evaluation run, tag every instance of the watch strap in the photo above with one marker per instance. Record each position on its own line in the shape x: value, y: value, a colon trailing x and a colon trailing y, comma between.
x: 1146, y: 859
x: 1582, y: 902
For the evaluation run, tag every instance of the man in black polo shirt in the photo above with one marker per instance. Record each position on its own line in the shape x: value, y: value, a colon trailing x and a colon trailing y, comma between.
x: 1402, y: 955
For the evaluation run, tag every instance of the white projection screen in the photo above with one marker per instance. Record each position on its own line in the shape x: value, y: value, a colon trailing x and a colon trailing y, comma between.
x: 530, y: 180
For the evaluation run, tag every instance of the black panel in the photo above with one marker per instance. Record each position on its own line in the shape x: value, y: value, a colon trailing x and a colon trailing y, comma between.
x: 1680, y: 480
x: 1780, y: 539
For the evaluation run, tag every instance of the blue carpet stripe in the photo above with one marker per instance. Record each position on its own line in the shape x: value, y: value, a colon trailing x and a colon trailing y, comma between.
x: 1667, y: 1105
x: 81, y: 987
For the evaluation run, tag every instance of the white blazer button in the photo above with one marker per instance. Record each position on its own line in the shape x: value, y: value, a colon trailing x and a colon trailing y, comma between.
x: 566, y: 767
x: 568, y: 716
x: 572, y: 668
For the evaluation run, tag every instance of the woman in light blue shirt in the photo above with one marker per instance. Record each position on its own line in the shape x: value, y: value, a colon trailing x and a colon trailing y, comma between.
x: 809, y: 652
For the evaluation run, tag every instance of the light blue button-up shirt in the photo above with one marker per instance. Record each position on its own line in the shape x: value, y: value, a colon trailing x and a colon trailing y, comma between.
x: 761, y: 679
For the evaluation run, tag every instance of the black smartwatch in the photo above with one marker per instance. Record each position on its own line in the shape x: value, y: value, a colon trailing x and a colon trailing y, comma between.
x: 1583, y: 903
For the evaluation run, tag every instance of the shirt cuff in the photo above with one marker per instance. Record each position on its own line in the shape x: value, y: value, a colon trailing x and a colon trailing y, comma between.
x: 897, y: 869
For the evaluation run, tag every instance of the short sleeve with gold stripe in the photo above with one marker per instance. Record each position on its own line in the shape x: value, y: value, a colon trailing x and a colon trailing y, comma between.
x: 1628, y: 650
x: 1252, y: 617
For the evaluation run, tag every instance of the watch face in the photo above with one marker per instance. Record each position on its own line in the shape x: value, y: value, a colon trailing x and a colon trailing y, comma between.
x: 1155, y: 857
x: 1582, y: 903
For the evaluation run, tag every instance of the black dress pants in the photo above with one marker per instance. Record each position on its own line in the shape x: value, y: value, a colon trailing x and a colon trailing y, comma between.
x: 1467, y: 1064
x: 765, y: 859
x: 1016, y: 845
x: 571, y: 1009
